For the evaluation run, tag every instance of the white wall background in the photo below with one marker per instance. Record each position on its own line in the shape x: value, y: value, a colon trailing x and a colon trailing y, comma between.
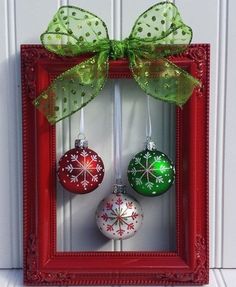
x: 213, y: 22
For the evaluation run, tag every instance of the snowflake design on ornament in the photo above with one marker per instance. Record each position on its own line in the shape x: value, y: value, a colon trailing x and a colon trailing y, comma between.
x: 83, y: 168
x: 120, y: 217
x: 149, y: 170
x: 80, y: 170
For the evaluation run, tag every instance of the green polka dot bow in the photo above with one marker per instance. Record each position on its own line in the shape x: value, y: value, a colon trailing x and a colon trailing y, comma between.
x: 159, y: 32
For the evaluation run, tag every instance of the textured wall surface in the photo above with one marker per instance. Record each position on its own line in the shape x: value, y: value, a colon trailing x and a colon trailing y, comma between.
x: 21, y: 22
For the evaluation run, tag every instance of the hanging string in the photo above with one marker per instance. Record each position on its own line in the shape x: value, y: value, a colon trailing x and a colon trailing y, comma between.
x: 117, y: 16
x: 148, y: 120
x: 117, y: 133
x: 81, y: 126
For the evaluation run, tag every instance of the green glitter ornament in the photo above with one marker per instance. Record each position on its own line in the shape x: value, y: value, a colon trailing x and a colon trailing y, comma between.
x: 150, y: 172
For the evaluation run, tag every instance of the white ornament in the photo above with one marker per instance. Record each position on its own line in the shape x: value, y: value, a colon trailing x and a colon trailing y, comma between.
x: 119, y: 216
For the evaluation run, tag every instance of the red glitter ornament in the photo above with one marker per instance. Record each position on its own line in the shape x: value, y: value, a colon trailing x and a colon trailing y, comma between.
x: 80, y: 170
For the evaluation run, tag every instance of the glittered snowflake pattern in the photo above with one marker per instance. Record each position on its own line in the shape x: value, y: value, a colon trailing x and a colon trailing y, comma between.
x: 81, y: 169
x: 119, y: 217
x: 150, y: 171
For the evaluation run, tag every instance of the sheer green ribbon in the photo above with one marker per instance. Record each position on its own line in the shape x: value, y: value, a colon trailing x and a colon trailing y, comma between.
x: 158, y: 32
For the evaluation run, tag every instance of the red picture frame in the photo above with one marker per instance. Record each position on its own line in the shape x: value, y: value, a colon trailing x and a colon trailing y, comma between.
x: 43, y: 264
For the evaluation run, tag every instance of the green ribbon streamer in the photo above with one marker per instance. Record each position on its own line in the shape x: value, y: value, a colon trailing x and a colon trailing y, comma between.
x: 158, y: 32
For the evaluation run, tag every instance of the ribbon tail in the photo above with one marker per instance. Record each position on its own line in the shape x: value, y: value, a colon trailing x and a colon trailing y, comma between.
x: 162, y: 79
x: 73, y: 89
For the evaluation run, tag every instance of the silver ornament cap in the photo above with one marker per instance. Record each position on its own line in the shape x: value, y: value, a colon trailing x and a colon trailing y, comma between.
x: 149, y: 144
x: 119, y: 188
x: 81, y: 141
